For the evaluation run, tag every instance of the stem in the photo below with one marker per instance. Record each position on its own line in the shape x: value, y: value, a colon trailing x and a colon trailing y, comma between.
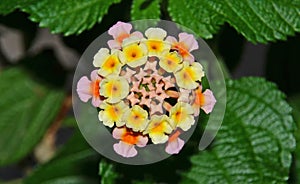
x: 45, y: 150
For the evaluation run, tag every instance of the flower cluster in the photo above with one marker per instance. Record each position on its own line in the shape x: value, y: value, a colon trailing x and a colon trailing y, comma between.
x: 147, y: 88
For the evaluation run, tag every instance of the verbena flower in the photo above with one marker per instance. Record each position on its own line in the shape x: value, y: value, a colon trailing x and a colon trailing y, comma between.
x: 128, y: 140
x: 155, y: 42
x: 188, y: 76
x: 158, y: 129
x: 114, y: 88
x: 185, y: 45
x: 205, y: 100
x: 182, y: 115
x: 170, y: 61
x: 119, y: 32
x: 147, y: 88
x: 134, y: 53
x: 87, y: 89
x: 136, y: 118
x: 112, y: 114
x: 108, y: 63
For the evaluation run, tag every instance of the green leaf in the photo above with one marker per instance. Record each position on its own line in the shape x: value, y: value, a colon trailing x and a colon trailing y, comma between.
x: 107, y: 172
x: 255, y: 141
x: 75, y: 163
x: 68, y: 17
x: 145, y: 9
x: 258, y: 21
x: 7, y: 6
x: 27, y: 109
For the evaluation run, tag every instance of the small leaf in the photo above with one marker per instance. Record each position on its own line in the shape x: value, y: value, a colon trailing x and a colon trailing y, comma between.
x: 68, y: 17
x: 258, y: 21
x: 255, y: 141
x: 107, y: 172
x: 27, y: 109
x: 145, y: 9
x: 75, y: 163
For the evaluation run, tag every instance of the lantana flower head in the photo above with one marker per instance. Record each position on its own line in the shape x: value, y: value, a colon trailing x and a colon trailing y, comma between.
x: 147, y: 88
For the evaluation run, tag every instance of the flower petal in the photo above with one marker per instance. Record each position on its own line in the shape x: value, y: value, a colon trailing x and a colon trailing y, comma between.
x: 96, y: 101
x: 189, y: 41
x: 111, y: 64
x: 131, y: 41
x: 188, y: 75
x: 205, y: 100
x: 137, y: 34
x: 181, y: 115
x: 142, y: 141
x: 100, y: 57
x: 124, y: 149
x: 118, y: 132
x: 133, y: 54
x: 171, y: 40
x: 83, y: 89
x: 158, y: 127
x: 87, y: 89
x: 94, y: 75
x: 209, y: 101
x: 136, y: 118
x: 112, y: 113
x: 174, y: 146
x: 184, y: 95
x: 113, y: 44
x: 115, y: 88
x: 119, y: 28
x: 155, y: 33
x: 170, y: 61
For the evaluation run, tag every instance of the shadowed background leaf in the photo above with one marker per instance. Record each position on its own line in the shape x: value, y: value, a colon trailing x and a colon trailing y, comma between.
x: 75, y: 163
x: 27, y: 109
